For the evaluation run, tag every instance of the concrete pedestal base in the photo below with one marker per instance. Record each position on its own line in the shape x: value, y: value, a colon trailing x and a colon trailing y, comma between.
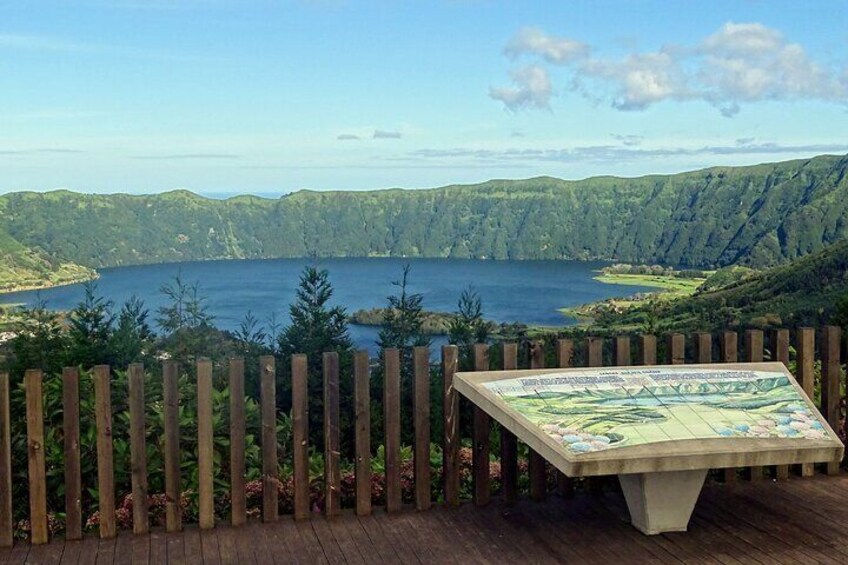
x: 664, y: 501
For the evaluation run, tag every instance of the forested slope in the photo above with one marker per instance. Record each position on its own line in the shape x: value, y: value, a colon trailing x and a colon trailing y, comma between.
x: 811, y: 290
x: 760, y: 215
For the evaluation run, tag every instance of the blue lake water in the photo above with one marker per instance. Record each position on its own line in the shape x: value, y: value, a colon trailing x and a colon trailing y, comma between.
x: 511, y: 291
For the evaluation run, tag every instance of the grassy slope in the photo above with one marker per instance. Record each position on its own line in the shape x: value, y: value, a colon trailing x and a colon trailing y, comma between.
x: 22, y: 268
x: 673, y: 286
x: 669, y: 288
x: 804, y: 291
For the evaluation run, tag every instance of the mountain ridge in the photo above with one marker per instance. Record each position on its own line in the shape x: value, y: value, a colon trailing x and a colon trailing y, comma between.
x: 758, y: 215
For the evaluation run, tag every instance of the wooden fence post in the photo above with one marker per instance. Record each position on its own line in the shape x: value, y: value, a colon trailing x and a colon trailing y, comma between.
x: 805, y: 347
x: 451, y: 427
x: 421, y: 409
x: 268, y: 399
x: 536, y: 466
x: 621, y: 350
x: 728, y: 347
x: 703, y: 347
x: 238, y: 502
x: 754, y: 346
x: 565, y: 353
x: 332, y: 436
x: 300, y: 435
x: 831, y: 369
x: 647, y: 349
x: 138, y: 449
x: 205, y: 446
x: 6, y: 520
x: 35, y: 457
x: 676, y: 349
x: 173, y: 506
x: 594, y: 351
x: 105, y: 465
x: 391, y: 425
x: 509, y: 443
x: 71, y: 431
x: 362, y: 426
x: 780, y: 346
x: 482, y: 431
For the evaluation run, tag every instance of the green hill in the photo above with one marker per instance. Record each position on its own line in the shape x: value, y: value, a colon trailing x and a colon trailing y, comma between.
x: 808, y: 291
x: 759, y: 216
x: 22, y: 268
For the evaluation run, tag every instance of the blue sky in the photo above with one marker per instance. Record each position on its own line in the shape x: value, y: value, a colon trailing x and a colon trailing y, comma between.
x: 270, y: 97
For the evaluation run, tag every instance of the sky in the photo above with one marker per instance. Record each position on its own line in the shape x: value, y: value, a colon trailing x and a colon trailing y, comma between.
x: 228, y: 97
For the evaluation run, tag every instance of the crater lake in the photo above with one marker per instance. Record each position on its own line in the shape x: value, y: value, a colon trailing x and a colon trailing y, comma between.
x: 530, y: 292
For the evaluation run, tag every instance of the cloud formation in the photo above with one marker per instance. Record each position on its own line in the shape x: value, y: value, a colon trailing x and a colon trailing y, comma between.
x: 385, y: 134
x: 739, y: 63
x: 532, y: 89
x: 556, y: 50
x: 347, y: 137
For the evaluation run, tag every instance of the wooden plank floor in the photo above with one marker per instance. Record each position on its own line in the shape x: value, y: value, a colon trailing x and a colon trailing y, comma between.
x: 791, y: 522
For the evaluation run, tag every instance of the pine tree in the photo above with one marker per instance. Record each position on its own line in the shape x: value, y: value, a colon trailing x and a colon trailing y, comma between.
x: 132, y: 337
x: 186, y: 321
x: 404, y: 320
x: 316, y: 328
x: 40, y: 341
x: 467, y: 326
x: 90, y: 329
x: 402, y: 329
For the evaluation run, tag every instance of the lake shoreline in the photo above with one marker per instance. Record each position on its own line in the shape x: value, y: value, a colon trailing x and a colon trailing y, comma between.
x: 526, y: 291
x: 45, y: 285
x: 668, y: 287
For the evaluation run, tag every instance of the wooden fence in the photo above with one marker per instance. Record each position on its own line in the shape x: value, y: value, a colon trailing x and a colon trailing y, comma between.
x: 702, y: 348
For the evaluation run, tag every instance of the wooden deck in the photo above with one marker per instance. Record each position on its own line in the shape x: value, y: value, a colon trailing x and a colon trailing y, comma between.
x: 794, y: 521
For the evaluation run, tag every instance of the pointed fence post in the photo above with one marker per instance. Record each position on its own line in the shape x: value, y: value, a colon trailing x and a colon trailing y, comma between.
x: 450, y: 447
x: 268, y: 400
x: 105, y: 465
x: 138, y: 449
x: 362, y: 425
x: 421, y: 408
x: 73, y: 473
x: 391, y: 425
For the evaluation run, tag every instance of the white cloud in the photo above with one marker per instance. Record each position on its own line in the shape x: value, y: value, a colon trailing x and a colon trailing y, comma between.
x: 751, y: 38
x: 534, y: 41
x: 639, y: 80
x: 749, y: 62
x: 737, y: 64
x: 532, y: 89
